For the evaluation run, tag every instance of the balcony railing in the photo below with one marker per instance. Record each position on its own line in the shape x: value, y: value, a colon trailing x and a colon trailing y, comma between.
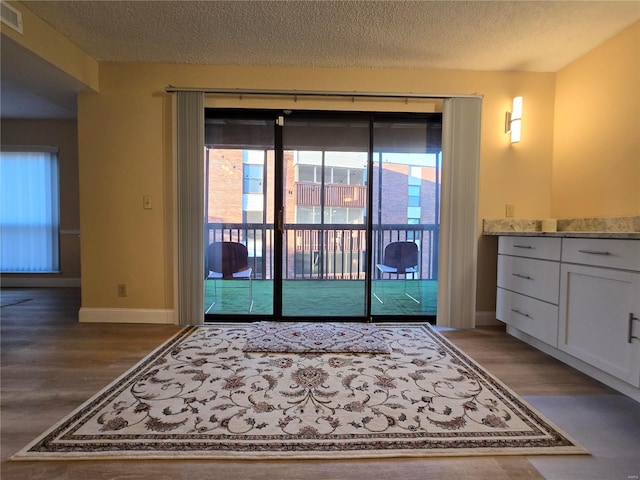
x: 329, y: 252
x: 308, y: 194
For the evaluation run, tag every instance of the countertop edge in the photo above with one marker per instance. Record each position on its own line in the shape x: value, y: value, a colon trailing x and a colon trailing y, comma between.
x: 615, y: 235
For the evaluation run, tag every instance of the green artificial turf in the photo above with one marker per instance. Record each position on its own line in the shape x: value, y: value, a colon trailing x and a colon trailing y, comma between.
x: 323, y: 297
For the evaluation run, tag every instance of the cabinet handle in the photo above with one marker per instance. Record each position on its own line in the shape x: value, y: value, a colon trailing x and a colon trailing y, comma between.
x: 520, y: 275
x: 515, y: 310
x: 630, y: 337
x: 595, y: 252
x: 523, y: 246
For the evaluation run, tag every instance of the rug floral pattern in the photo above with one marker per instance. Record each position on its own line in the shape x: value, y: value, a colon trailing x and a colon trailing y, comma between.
x: 307, y: 337
x: 200, y: 395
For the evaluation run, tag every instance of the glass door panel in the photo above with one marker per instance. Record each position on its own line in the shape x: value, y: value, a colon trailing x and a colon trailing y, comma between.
x: 406, y: 204
x: 324, y: 217
x: 239, y: 206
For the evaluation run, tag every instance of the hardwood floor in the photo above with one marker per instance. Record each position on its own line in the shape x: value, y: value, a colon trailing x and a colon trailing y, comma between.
x: 51, y: 364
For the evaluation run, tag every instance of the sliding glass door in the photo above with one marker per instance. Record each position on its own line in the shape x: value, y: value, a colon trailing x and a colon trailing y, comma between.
x: 319, y: 201
x: 406, y: 215
x: 324, y: 208
x: 239, y: 212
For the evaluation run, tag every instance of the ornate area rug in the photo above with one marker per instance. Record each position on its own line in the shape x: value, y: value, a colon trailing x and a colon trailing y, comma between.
x: 304, y: 337
x: 200, y: 396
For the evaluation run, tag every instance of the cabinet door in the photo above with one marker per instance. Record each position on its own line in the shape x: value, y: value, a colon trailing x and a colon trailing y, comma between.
x: 594, y: 321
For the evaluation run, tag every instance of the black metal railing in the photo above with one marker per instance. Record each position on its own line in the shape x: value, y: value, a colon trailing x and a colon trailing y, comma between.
x: 329, y: 252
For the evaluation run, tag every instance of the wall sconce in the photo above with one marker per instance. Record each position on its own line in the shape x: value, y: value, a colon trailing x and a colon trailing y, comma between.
x: 513, y: 120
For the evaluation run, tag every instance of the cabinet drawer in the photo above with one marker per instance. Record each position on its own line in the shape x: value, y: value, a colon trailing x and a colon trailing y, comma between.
x: 532, y: 247
x: 602, y: 252
x: 534, y: 278
x: 533, y: 317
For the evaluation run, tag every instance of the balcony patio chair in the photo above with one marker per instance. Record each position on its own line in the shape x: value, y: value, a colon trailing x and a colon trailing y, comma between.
x: 400, y: 258
x: 228, y: 261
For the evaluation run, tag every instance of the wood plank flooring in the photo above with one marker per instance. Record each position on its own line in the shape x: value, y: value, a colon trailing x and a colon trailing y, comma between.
x: 50, y: 364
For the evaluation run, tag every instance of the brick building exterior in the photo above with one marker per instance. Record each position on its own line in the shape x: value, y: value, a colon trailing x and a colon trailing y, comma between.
x: 240, y: 195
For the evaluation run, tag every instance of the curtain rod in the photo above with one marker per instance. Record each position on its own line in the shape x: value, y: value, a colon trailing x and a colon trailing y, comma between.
x: 314, y: 93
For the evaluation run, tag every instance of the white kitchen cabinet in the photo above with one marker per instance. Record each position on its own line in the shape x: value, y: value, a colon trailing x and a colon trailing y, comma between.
x: 577, y: 299
x: 600, y: 306
x: 528, y: 285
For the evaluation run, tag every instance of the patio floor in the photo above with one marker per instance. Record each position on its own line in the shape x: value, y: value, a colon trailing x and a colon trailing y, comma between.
x: 322, y: 297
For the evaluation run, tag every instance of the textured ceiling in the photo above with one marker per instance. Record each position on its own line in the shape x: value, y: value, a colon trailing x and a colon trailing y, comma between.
x: 478, y: 35
x: 538, y: 36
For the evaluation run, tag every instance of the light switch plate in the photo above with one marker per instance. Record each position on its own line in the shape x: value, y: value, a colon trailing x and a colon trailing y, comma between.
x: 510, y: 210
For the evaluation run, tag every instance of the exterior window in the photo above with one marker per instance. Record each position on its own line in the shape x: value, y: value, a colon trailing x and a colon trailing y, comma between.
x: 253, y: 216
x: 307, y: 214
x: 307, y: 173
x: 413, y: 212
x: 252, y: 178
x: 29, y: 211
x: 413, y: 200
x: 338, y: 215
x: 341, y: 176
x: 414, y: 191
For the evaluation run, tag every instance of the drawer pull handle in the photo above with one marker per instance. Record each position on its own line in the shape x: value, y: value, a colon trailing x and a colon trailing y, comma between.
x: 520, y: 275
x: 631, y: 336
x: 515, y: 310
x: 523, y: 246
x: 595, y: 252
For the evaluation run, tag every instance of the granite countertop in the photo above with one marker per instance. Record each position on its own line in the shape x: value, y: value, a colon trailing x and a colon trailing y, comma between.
x: 599, y: 227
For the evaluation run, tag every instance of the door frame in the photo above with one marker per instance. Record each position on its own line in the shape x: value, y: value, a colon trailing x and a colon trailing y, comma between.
x: 276, y: 115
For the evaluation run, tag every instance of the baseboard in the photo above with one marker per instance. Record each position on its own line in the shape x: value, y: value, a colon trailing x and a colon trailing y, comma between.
x: 593, y: 372
x: 39, y: 282
x: 487, y: 319
x: 125, y: 315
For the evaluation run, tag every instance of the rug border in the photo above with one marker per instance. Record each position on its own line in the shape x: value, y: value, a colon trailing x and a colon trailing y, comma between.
x: 577, y: 448
x: 515, y: 396
x: 24, y: 454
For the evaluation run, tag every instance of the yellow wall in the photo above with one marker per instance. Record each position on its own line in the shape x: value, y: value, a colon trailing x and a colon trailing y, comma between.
x: 125, y: 149
x: 61, y: 134
x: 596, y: 155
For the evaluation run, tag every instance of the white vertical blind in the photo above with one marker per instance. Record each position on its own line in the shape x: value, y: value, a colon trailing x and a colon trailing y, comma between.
x: 190, y: 206
x: 458, y: 225
x: 29, y: 210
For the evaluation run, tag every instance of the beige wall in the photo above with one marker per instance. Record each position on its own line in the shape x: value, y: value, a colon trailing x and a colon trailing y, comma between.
x: 125, y: 143
x: 596, y: 155
x: 61, y: 134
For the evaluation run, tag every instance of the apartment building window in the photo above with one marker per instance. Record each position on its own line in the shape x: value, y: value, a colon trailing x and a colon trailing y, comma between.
x: 413, y: 200
x: 307, y: 173
x: 332, y: 175
x: 252, y: 178
x: 29, y: 210
x: 333, y: 215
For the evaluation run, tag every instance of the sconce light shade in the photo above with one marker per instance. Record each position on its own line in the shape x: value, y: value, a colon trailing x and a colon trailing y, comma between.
x: 513, y: 120
x: 516, y: 109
